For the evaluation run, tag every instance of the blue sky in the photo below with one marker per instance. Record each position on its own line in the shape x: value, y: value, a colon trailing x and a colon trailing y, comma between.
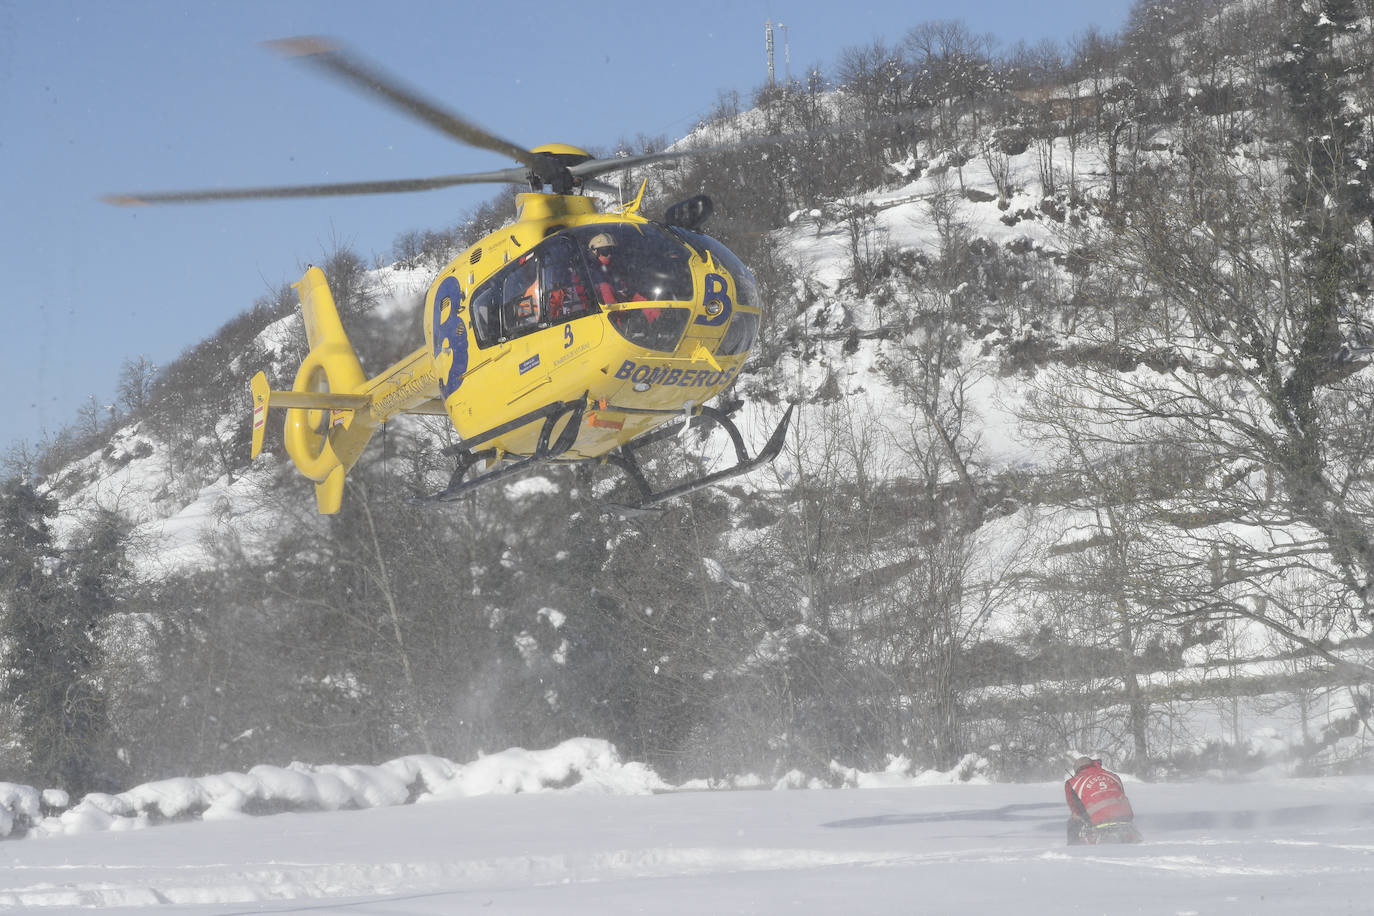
x: 99, y: 97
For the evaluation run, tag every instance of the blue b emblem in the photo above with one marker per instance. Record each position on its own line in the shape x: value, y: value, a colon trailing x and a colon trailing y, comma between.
x: 450, y: 334
x: 716, y: 291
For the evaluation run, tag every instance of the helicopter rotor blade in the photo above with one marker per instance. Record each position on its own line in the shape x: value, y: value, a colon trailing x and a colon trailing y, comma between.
x: 542, y: 168
x: 334, y: 60
x: 593, y: 167
x: 601, y: 187
x: 315, y: 190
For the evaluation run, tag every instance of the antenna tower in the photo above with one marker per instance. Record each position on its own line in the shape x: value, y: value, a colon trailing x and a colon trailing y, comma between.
x: 768, y: 46
x: 786, y: 55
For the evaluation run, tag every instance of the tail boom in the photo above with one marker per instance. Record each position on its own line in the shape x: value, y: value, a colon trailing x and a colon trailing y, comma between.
x: 333, y: 409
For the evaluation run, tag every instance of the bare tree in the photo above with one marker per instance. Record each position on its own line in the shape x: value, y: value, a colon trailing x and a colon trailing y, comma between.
x: 135, y: 386
x: 1266, y: 423
x: 952, y: 73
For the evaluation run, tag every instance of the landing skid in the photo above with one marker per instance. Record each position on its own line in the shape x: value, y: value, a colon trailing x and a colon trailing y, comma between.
x: 550, y: 449
x: 625, y: 459
x: 546, y: 450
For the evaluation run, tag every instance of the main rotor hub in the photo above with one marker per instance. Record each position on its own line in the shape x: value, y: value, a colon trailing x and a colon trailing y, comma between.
x: 554, y: 162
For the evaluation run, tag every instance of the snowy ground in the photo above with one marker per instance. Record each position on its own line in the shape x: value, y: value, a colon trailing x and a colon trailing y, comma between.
x: 1274, y: 846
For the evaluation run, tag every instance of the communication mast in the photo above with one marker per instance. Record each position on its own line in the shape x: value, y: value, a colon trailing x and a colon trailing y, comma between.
x: 786, y: 52
x: 786, y: 55
x: 768, y: 46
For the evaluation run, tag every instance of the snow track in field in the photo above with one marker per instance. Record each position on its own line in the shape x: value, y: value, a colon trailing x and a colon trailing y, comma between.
x: 281, y: 881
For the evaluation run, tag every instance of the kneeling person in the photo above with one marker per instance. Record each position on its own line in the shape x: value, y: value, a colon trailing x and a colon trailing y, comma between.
x: 1099, y: 811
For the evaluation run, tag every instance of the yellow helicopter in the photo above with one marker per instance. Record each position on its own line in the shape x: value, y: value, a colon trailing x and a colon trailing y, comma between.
x: 569, y: 336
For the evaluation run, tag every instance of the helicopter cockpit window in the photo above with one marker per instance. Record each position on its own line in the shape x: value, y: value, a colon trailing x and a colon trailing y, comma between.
x: 746, y: 290
x: 739, y: 337
x: 520, y: 310
x: 486, y: 318
x: 652, y: 327
x: 563, y: 284
x: 547, y: 285
x: 634, y: 263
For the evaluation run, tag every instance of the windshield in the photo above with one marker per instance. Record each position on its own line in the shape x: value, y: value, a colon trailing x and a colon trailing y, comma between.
x: 573, y: 272
x: 652, y: 328
x: 634, y: 263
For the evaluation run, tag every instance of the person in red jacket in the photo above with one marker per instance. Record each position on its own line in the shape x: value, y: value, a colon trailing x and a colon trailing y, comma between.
x: 610, y: 276
x: 1099, y: 811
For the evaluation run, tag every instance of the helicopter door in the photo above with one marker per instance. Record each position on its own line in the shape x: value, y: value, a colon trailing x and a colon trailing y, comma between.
x: 529, y: 310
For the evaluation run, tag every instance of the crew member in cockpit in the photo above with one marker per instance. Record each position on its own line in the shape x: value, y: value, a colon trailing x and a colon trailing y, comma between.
x: 608, y: 275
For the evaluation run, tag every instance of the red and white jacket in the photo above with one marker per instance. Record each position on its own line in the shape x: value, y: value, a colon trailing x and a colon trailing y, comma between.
x: 1097, y: 796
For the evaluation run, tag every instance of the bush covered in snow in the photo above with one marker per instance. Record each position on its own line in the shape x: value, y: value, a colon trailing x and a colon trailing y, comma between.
x: 579, y: 764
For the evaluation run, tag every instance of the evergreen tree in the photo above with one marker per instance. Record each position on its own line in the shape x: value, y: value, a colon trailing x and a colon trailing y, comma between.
x: 54, y: 607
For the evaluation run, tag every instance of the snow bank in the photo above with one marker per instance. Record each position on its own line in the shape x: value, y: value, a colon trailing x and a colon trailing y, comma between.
x: 19, y: 808
x: 586, y: 765
x: 582, y: 764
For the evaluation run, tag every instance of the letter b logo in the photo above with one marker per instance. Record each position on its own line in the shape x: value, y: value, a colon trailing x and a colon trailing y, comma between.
x: 718, y: 292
